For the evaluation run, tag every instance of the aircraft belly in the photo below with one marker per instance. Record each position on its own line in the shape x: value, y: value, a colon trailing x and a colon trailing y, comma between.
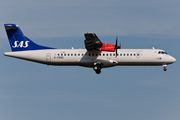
x: 90, y: 62
x: 140, y: 63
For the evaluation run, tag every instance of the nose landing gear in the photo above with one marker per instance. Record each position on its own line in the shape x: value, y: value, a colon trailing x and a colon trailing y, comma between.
x: 164, y: 67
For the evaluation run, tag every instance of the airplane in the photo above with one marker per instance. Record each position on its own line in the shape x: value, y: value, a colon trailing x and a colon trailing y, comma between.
x: 97, y: 55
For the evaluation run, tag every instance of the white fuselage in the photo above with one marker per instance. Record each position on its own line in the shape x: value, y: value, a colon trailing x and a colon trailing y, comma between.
x: 82, y: 57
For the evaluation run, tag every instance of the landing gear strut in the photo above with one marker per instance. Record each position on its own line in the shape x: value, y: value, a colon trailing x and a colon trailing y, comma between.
x: 164, y: 67
x: 97, y: 68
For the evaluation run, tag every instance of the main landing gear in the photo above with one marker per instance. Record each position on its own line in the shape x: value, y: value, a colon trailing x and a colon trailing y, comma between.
x: 164, y: 67
x: 97, y: 68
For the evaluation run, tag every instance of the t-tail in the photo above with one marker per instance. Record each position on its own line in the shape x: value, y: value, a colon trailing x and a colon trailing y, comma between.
x: 18, y: 41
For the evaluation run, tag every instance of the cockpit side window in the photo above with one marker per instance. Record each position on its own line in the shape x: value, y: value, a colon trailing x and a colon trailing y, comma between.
x: 162, y: 52
x: 165, y: 52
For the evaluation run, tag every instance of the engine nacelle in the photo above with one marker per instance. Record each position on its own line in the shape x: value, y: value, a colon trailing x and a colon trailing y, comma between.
x: 108, y: 47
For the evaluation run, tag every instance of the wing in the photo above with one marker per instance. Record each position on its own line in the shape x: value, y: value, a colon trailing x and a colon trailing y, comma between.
x: 92, y: 42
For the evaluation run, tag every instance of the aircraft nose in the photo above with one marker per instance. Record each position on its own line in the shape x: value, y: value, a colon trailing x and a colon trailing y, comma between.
x: 173, y: 59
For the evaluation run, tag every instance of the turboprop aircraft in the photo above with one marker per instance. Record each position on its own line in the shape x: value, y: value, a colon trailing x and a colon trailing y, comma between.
x: 97, y: 55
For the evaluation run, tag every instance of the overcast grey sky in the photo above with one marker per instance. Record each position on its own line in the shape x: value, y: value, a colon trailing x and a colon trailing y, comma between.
x: 57, y: 18
x: 32, y: 91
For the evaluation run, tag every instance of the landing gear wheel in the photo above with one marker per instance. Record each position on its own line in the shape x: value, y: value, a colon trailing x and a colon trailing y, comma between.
x: 98, y: 71
x: 165, y: 69
x: 96, y: 68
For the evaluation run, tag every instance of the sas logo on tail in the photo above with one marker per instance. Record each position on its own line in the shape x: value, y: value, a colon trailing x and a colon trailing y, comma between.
x: 20, y: 44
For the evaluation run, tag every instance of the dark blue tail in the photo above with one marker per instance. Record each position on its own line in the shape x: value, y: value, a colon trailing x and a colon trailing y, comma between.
x: 18, y: 41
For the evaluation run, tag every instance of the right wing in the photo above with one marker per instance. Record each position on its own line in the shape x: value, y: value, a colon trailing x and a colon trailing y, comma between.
x: 92, y: 42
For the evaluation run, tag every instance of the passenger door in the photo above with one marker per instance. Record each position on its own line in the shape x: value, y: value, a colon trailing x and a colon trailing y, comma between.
x: 48, y: 57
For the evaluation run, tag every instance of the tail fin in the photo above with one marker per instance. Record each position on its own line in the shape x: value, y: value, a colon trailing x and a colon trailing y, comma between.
x: 18, y: 41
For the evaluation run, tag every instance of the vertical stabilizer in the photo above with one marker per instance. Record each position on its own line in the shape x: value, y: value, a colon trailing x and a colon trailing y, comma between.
x: 18, y: 41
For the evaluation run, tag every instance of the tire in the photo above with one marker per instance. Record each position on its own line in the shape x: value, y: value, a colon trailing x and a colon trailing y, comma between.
x: 98, y: 71
x: 165, y: 69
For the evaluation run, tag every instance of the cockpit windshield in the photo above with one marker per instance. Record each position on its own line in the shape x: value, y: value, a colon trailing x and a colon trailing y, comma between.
x: 162, y: 52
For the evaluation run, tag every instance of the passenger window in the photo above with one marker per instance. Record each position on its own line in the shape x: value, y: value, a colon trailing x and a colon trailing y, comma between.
x: 71, y: 54
x: 93, y: 54
x: 114, y: 54
x: 64, y: 54
x: 100, y: 54
x: 130, y: 54
x: 61, y: 54
x: 124, y: 54
x: 134, y: 54
x: 106, y: 54
x: 103, y: 54
x: 137, y: 54
x: 127, y: 54
x: 89, y: 54
x: 82, y: 54
x: 110, y: 54
x: 74, y: 54
x: 96, y: 54
x: 68, y: 54
x: 120, y: 54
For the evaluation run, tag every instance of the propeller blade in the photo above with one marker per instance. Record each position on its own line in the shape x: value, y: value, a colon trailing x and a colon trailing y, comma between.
x: 116, y: 46
x: 116, y: 41
x: 116, y: 52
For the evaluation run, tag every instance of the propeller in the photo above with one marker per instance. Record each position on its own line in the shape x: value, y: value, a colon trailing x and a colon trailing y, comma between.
x: 116, y: 46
